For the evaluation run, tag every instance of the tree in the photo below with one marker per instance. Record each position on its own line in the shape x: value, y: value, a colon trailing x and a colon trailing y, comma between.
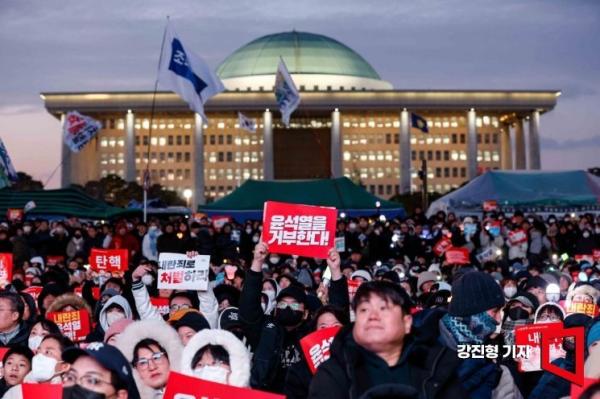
x: 26, y: 183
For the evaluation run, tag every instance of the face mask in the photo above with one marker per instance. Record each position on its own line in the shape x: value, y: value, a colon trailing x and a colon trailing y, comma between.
x: 27, y: 229
x: 270, y: 295
x: 274, y: 259
x: 352, y: 226
x: 42, y: 368
x: 586, y: 234
x: 288, y: 317
x: 79, y: 392
x: 518, y: 314
x: 113, y: 317
x: 212, y: 373
x: 510, y: 291
x: 34, y: 342
x: 147, y: 279
x: 249, y: 230
x: 255, y: 238
x: 553, y: 297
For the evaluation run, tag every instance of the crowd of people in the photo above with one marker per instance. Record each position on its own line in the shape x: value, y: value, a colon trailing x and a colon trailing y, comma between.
x: 403, y: 332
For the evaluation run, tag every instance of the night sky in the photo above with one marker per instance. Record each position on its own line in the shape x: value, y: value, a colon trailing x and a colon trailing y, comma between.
x: 114, y: 45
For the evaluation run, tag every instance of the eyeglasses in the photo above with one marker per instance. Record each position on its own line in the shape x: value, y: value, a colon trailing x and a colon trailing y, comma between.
x: 175, y: 307
x: 293, y: 305
x: 143, y: 362
x: 88, y: 381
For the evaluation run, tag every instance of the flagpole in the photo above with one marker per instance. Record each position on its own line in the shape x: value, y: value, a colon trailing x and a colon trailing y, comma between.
x: 146, y: 175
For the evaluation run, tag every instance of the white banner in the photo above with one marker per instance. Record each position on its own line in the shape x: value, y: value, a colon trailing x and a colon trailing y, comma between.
x: 79, y: 130
x: 180, y: 272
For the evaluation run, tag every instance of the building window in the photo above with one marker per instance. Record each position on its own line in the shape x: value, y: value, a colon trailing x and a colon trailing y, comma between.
x: 486, y: 138
x: 220, y: 139
x: 478, y: 138
x: 179, y: 140
x: 186, y: 140
x: 454, y: 172
x: 213, y: 140
x: 221, y: 157
x: 229, y: 156
x: 145, y: 140
x: 178, y: 157
x: 446, y: 155
x: 388, y: 138
x: 462, y: 138
x: 421, y: 155
x: 413, y: 155
x: 186, y: 157
x: 438, y: 172
x: 438, y: 155
x: 446, y: 172
x: 229, y: 140
x: 495, y: 138
x: 463, y: 172
x: 170, y: 140
x: 454, y: 138
x: 430, y: 155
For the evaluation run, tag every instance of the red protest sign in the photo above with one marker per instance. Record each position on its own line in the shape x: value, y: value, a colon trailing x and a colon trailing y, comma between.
x: 34, y: 291
x: 517, y: 237
x: 3, y: 351
x: 181, y: 386
x: 74, y: 324
x: 441, y: 246
x: 162, y: 305
x: 531, y: 336
x: 302, y: 230
x: 490, y: 206
x: 577, y: 390
x: 46, y: 391
x: 316, y: 346
x: 111, y: 260
x: 15, y: 214
x: 219, y: 221
x: 457, y: 256
x: 589, y: 309
x: 352, y: 288
x: 53, y: 260
x: 584, y: 257
x: 6, y: 267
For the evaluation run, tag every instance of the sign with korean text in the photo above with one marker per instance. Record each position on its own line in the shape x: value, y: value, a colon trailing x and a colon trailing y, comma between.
x: 490, y: 206
x: 316, y: 347
x: 517, y: 237
x: 15, y: 214
x: 589, y: 309
x: 302, y: 230
x: 531, y: 335
x: 79, y: 129
x: 73, y: 324
x: 162, y: 305
x: 109, y: 260
x: 441, y: 246
x: 219, y: 221
x: 340, y: 244
x: 352, y: 288
x: 180, y: 272
x: 34, y: 291
x: 46, y: 391
x: 457, y: 256
x: 180, y: 386
x: 6, y: 268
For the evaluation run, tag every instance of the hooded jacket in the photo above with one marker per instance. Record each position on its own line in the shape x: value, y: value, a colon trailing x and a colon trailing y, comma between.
x: 239, y: 357
x: 159, y: 331
x: 115, y: 300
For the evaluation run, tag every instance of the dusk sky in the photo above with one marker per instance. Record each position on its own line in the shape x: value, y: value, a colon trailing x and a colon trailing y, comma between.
x: 114, y: 45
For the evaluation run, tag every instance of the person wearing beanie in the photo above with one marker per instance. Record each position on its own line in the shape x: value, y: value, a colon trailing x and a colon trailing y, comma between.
x: 187, y: 322
x: 361, y: 275
x: 592, y: 342
x: 517, y: 312
x: 425, y: 281
x: 582, y: 298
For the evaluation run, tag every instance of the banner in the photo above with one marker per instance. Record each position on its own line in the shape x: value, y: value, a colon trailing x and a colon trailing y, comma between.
x: 441, y: 246
x: 181, y: 386
x: 162, y: 305
x: 589, y: 309
x: 34, y: 291
x: 219, y: 221
x: 316, y: 347
x: 53, y: 260
x: 531, y: 336
x: 490, y: 206
x: 6, y: 268
x: 179, y: 272
x: 15, y: 214
x: 109, y: 260
x: 517, y: 237
x: 45, y: 391
x: 457, y: 256
x: 79, y: 129
x: 73, y: 324
x: 302, y: 230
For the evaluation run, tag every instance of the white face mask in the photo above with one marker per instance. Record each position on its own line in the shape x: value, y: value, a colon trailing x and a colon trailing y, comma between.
x: 42, y: 368
x: 586, y: 234
x: 274, y: 259
x: 510, y: 291
x: 270, y: 294
x: 212, y: 373
x: 147, y: 279
x: 34, y: 342
x: 112, y: 317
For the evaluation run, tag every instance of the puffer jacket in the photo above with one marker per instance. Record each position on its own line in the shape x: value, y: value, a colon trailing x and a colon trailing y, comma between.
x: 162, y: 333
x: 239, y: 356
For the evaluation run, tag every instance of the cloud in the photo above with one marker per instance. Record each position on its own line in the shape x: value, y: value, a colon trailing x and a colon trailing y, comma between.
x: 547, y: 143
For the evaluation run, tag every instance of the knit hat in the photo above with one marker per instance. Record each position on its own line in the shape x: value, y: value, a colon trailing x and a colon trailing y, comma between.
x: 363, y: 274
x: 425, y: 277
x: 293, y: 291
x: 117, y: 328
x: 473, y: 293
x: 593, y: 334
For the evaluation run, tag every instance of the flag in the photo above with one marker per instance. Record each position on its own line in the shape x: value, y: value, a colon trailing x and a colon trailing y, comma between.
x: 419, y: 122
x: 246, y: 123
x: 79, y: 130
x: 29, y: 206
x: 286, y: 94
x: 187, y: 74
x: 8, y: 175
x: 146, y: 183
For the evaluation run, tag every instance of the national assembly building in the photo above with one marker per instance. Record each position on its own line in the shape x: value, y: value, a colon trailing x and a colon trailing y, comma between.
x: 350, y: 122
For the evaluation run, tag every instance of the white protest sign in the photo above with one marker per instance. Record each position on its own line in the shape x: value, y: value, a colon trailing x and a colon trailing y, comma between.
x: 180, y: 272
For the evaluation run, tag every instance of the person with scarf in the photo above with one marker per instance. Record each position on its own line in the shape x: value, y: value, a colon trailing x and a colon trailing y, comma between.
x: 517, y: 312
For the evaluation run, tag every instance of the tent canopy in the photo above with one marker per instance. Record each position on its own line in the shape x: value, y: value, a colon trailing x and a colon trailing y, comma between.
x: 64, y: 202
x: 523, y: 189
x: 247, y: 201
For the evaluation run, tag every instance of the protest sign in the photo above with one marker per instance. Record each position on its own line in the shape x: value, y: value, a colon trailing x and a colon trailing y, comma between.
x: 34, y: 291
x: 45, y: 391
x: 530, y: 335
x: 181, y: 386
x: 517, y: 237
x: 316, y: 346
x: 457, y: 256
x: 162, y: 305
x: 73, y: 324
x: 219, y: 221
x: 15, y: 214
x: 180, y: 272
x: 78, y: 130
x: 589, y: 309
x: 490, y: 206
x: 109, y: 260
x: 53, y: 260
x: 6, y: 267
x: 340, y: 244
x: 302, y: 230
x: 441, y: 246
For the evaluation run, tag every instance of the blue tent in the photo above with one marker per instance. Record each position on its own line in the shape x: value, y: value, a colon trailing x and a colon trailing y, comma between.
x: 538, y: 191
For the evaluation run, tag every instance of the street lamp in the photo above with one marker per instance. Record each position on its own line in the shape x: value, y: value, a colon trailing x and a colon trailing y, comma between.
x: 187, y: 194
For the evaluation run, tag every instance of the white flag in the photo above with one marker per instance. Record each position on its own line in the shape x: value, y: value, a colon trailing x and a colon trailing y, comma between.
x: 246, y: 123
x: 79, y: 129
x: 286, y: 93
x: 29, y: 206
x: 187, y: 74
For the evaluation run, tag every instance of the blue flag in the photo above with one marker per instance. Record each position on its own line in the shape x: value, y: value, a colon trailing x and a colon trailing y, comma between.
x: 286, y: 93
x: 419, y: 122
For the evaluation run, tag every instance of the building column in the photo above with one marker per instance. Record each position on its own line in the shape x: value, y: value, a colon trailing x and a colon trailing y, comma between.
x: 471, y: 144
x: 520, y: 159
x: 198, y: 197
x: 65, y: 173
x: 534, y: 141
x: 337, y: 169
x: 505, y: 148
x: 130, y: 147
x: 404, y: 152
x: 268, y: 170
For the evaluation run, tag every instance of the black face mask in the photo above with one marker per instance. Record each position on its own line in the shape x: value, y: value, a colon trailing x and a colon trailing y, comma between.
x: 518, y: 314
x: 79, y: 392
x: 288, y: 317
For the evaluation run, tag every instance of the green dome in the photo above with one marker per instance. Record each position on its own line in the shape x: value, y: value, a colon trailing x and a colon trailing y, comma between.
x: 303, y: 53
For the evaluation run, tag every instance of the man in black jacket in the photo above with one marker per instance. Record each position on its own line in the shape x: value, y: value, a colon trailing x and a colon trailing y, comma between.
x: 13, y: 331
